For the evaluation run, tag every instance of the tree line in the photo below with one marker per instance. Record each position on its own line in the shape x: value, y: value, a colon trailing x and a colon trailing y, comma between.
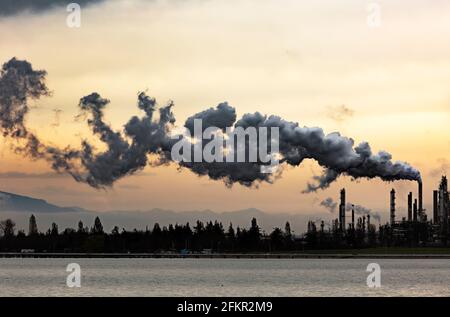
x: 179, y: 237
x: 211, y: 236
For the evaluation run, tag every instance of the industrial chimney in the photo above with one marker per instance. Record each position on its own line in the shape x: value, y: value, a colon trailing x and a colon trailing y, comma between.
x: 392, y: 206
x: 443, y: 208
x: 420, y: 201
x: 435, y: 207
x: 415, y: 210
x: 342, y: 210
x: 410, y: 207
x: 353, y: 216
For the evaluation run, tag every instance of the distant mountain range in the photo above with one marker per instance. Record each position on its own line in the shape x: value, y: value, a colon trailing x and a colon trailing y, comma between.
x: 19, y: 208
x: 19, y: 203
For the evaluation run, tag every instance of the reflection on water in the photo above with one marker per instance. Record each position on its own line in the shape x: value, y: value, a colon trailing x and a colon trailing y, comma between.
x: 224, y: 277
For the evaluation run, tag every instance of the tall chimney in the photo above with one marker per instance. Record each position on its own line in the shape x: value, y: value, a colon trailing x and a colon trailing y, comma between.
x: 410, y: 202
x: 420, y: 200
x: 443, y: 209
x: 368, y: 223
x: 353, y: 216
x: 342, y: 210
x: 415, y: 210
x: 435, y: 207
x: 392, y: 206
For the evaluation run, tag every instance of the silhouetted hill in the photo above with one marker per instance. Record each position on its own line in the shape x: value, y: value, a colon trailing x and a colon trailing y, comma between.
x: 19, y: 203
x: 19, y: 208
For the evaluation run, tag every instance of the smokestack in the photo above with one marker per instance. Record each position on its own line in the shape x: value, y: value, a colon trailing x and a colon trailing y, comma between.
x: 342, y: 210
x: 392, y: 206
x: 368, y: 223
x: 420, y: 200
x: 443, y: 209
x: 410, y: 202
x: 435, y: 207
x: 415, y: 210
x: 353, y: 216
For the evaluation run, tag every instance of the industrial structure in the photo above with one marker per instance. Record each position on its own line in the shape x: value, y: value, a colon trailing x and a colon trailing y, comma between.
x: 342, y: 210
x: 441, y: 210
x: 413, y: 230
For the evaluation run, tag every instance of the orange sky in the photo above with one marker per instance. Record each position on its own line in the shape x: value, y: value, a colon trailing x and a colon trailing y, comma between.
x: 300, y: 61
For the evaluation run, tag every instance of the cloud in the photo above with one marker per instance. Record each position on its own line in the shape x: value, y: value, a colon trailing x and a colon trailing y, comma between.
x: 340, y: 113
x: 13, y: 7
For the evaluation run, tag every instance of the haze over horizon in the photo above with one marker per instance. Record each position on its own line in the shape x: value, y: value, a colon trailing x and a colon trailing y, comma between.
x: 316, y: 65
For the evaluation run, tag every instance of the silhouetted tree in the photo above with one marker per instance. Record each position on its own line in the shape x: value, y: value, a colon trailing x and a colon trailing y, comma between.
x: 115, y: 231
x: 80, y: 227
x: 288, y: 236
x: 98, y: 227
x: 254, y: 234
x: 7, y: 227
x: 32, y: 228
x: 54, y: 229
x: 276, y: 239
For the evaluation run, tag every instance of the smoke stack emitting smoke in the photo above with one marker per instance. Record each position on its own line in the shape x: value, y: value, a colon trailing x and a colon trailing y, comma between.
x: 127, y: 151
x: 331, y: 205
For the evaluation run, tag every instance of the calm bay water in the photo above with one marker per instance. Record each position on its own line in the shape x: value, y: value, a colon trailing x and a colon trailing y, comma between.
x: 224, y: 277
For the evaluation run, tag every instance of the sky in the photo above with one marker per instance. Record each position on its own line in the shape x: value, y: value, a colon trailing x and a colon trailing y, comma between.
x: 318, y: 63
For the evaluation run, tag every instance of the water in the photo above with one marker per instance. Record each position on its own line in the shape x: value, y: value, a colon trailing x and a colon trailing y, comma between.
x: 224, y: 277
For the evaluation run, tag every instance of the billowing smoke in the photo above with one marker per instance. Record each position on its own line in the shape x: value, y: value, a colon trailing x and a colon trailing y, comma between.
x: 18, y: 83
x: 363, y: 211
x: 323, y: 181
x: 329, y: 204
x: 128, y: 151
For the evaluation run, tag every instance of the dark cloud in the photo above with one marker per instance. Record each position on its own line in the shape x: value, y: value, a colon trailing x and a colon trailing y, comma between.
x: 127, y: 151
x: 12, y: 7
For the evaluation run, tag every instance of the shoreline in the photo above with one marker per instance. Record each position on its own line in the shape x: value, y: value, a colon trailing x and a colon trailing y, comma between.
x: 223, y: 256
